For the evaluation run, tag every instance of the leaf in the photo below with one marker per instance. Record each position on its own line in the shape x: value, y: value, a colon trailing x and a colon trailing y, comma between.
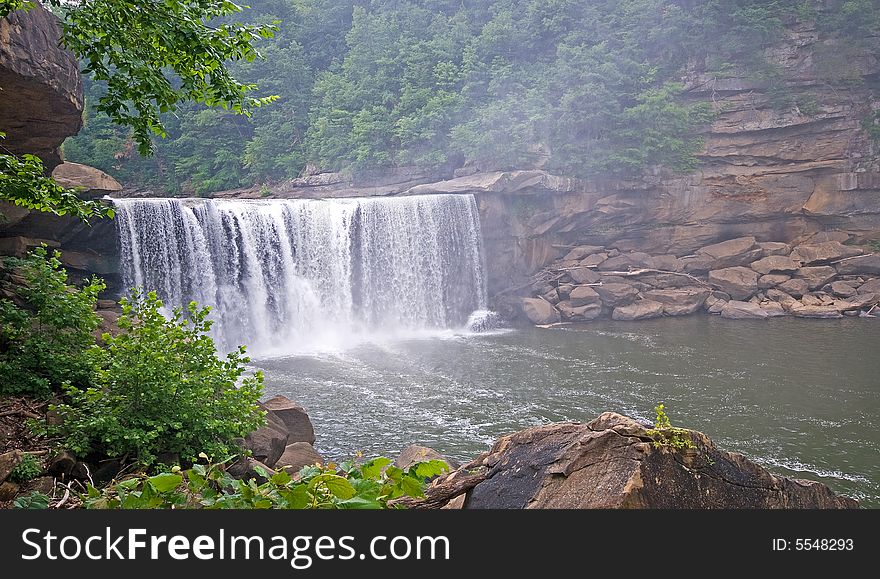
x: 338, y: 486
x: 280, y: 478
x: 373, y: 468
x: 430, y: 468
x: 165, y: 482
x: 360, y: 503
x: 297, y: 497
x: 411, y: 487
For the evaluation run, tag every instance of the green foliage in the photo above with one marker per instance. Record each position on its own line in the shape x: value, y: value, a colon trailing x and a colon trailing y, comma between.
x: 161, y: 387
x: 871, y: 125
x: 7, y: 6
x: 667, y: 436
x: 23, y: 183
x: 33, y: 500
x: 350, y: 486
x: 48, y: 343
x: 28, y: 469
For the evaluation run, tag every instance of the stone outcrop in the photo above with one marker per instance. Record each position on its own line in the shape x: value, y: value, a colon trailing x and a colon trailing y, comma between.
x: 42, y: 99
x: 635, y: 289
x: 87, y: 180
x: 296, y: 420
x: 614, y: 463
x: 298, y: 455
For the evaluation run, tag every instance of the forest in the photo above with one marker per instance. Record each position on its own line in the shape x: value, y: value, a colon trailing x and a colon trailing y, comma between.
x: 586, y: 89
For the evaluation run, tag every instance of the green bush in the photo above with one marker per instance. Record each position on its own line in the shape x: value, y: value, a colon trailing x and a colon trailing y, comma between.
x: 48, y: 342
x: 366, y: 486
x: 162, y: 388
x: 28, y: 469
x: 666, y: 435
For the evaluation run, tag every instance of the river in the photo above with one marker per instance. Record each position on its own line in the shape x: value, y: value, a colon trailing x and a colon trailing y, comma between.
x: 800, y: 397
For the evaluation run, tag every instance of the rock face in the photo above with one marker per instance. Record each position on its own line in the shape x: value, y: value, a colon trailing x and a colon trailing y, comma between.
x: 42, y: 100
x: 612, y: 463
x: 94, y: 182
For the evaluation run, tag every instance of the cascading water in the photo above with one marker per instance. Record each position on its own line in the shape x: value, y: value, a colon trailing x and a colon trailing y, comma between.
x: 290, y: 275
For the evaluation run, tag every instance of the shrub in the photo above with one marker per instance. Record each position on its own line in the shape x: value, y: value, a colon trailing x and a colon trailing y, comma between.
x: 666, y: 435
x: 48, y: 342
x: 28, y: 469
x: 367, y: 486
x: 162, y: 388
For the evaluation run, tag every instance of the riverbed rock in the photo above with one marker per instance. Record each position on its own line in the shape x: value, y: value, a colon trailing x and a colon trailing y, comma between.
x: 665, y: 263
x: 540, y: 312
x: 733, y: 252
x: 551, y: 296
x: 811, y: 253
x: 769, y: 248
x: 863, y: 265
x: 857, y: 302
x: 816, y: 276
x: 775, y: 264
x: 583, y: 295
x: 584, y: 275
x: 619, y: 263
x: 698, y: 264
x: 612, y: 463
x: 298, y: 455
x: 772, y: 280
x: 579, y: 313
x: 295, y: 418
x: 680, y: 302
x: 740, y: 282
x: 795, y: 287
x: 616, y: 294
x: 267, y: 442
x: 594, y: 260
x: 639, y: 310
x: 820, y: 311
x: 666, y: 280
x: 415, y: 453
x: 773, y: 309
x: 737, y: 310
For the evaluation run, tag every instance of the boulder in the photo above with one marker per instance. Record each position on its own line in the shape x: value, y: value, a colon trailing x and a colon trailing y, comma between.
x: 811, y: 300
x: 8, y: 461
x: 666, y: 280
x: 773, y: 309
x: 697, y: 264
x: 859, y: 302
x: 594, y: 260
x: 772, y: 280
x: 864, y: 265
x: 639, y: 310
x: 619, y: 263
x: 583, y: 295
x: 564, y: 290
x: 665, y: 263
x: 296, y: 420
x: 582, y: 251
x: 85, y: 179
x: 584, y: 275
x: 246, y: 468
x: 740, y: 282
x: 817, y: 276
x: 736, y: 310
x: 733, y: 252
x: 62, y: 464
x: 298, y: 455
x: 551, y: 296
x: 769, y: 248
x: 616, y: 294
x: 785, y: 300
x: 823, y: 312
x: 795, y: 287
x: 612, y: 463
x: 870, y: 287
x: 823, y: 236
x: 775, y: 264
x: 843, y: 289
x: 415, y: 453
x: 540, y: 312
x: 579, y: 313
x: 19, y: 246
x: 680, y: 302
x: 267, y: 442
x: 8, y: 491
x: 639, y: 259
x: 809, y: 253
x: 717, y: 307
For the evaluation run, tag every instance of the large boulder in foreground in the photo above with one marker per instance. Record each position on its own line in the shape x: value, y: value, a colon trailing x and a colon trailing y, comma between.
x: 299, y: 425
x: 540, y: 312
x: 267, y: 443
x: 612, y: 462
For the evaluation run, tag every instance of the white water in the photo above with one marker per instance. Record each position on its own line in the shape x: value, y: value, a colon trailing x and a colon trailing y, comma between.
x: 290, y: 276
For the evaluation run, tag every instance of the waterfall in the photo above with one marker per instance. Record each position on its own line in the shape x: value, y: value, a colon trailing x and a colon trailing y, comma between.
x: 287, y: 275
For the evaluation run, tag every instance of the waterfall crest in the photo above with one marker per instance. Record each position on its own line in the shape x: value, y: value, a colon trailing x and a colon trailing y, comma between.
x: 288, y: 275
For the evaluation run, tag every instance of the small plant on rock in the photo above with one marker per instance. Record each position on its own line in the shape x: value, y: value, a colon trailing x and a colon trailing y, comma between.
x: 28, y: 469
x: 666, y: 435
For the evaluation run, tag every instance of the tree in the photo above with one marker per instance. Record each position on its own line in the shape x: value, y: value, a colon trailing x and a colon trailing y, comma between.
x: 154, y: 57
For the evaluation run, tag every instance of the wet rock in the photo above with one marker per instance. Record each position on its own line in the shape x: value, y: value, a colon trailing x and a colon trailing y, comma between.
x: 639, y: 310
x: 296, y: 420
x: 733, y: 252
x: 772, y: 280
x: 540, y: 312
x: 611, y: 463
x: 616, y: 294
x: 680, y: 302
x: 737, y: 310
x: 810, y: 253
x: 740, y: 282
x: 775, y: 264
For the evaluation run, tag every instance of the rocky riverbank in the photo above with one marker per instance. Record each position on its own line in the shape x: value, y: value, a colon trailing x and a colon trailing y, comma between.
x: 740, y: 278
